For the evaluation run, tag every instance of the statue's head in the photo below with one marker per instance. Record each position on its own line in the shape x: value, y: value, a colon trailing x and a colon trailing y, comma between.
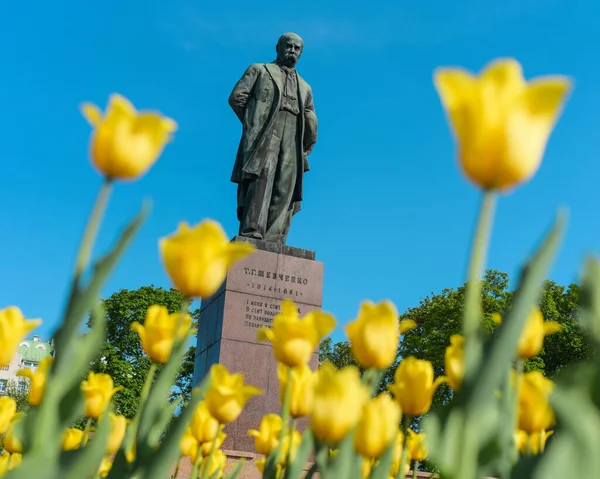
x: 289, y: 48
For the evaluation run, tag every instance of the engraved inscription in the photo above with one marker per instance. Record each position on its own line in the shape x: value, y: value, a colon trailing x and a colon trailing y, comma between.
x: 260, y: 313
x: 267, y: 281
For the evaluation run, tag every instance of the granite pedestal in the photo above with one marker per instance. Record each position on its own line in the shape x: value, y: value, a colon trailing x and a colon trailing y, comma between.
x: 249, y: 298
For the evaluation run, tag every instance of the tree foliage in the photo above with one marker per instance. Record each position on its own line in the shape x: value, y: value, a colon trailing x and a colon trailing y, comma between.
x: 122, y: 355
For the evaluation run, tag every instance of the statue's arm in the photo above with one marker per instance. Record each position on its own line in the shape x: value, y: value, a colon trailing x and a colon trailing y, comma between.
x: 242, y: 91
x: 311, y: 124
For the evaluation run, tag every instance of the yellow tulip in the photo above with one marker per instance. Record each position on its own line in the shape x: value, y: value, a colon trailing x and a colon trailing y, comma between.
x: 302, y: 390
x: 118, y: 426
x: 15, y: 460
x: 501, y: 122
x: 8, y: 409
x: 13, y: 329
x: 365, y: 468
x: 11, y: 442
x: 377, y: 427
x: 72, y: 439
x: 38, y: 380
x: 532, y: 338
x: 227, y: 394
x: 158, y: 332
x: 454, y: 361
x: 204, y: 427
x: 414, y: 386
x: 535, y: 413
x: 188, y: 445
x: 266, y: 437
x: 260, y: 465
x: 294, y: 339
x: 105, y: 467
x: 197, y: 259
x: 215, y: 464
x: 375, y: 334
x: 339, y: 398
x: 98, y: 390
x: 125, y: 143
x: 416, y: 446
x: 406, y: 325
x: 4, y: 462
x: 531, y: 443
x: 206, y: 447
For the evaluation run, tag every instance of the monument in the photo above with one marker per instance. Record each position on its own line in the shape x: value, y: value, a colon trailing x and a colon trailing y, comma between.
x: 279, y: 130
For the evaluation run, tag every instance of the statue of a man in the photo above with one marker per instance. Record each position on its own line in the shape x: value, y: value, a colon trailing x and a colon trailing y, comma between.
x: 275, y: 106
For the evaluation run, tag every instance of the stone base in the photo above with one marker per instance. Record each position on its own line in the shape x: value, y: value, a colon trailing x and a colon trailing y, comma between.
x: 249, y: 299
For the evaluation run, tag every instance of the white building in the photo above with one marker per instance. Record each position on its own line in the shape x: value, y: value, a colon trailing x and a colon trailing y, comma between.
x: 29, y: 354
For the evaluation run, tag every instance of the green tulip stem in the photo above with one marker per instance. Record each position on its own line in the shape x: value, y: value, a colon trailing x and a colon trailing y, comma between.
x: 406, y: 420
x: 86, y: 430
x: 131, y: 436
x: 212, y: 451
x: 285, y: 414
x: 415, y: 467
x: 477, y: 261
x: 91, y: 230
x: 197, y: 461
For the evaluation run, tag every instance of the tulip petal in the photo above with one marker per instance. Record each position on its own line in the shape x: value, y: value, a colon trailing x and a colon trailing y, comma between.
x: 457, y: 90
x: 551, y: 327
x: 265, y: 334
x: 323, y: 322
x: 502, y: 79
x: 407, y: 325
x: 545, y: 95
x: 237, y: 251
x: 92, y: 114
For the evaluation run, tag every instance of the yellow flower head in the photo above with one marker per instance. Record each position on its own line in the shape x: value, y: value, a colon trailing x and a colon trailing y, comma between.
x: 118, y: 427
x: 339, y: 398
x: 159, y: 331
x: 105, y: 467
x: 8, y: 409
x: 531, y: 443
x: 72, y: 438
x: 227, y: 394
x: 13, y: 328
x: 416, y: 446
x: 188, y: 445
x: 203, y: 427
x: 374, y: 336
x: 11, y: 442
x: 294, y: 339
x: 15, y: 460
x: 125, y: 143
x: 535, y: 413
x: 38, y: 380
x: 207, y: 446
x: 266, y: 438
x: 302, y: 389
x: 454, y: 361
x: 366, y: 466
x: 532, y: 338
x: 377, y: 427
x: 98, y: 390
x: 414, y: 386
x: 197, y: 259
x: 4, y: 462
x: 216, y: 465
x: 501, y: 122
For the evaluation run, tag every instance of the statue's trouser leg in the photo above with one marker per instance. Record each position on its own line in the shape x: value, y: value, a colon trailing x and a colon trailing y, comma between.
x: 259, y: 191
x: 280, y: 209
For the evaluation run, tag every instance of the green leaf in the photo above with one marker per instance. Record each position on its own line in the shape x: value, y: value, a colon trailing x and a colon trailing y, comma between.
x: 295, y: 469
x: 346, y: 463
x: 589, y: 313
x: 382, y: 470
x: 158, y: 428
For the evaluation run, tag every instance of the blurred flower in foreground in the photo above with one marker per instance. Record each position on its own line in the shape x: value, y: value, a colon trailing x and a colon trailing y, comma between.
x: 118, y: 426
x: 454, y: 361
x: 339, y: 398
x: 125, y: 143
x: 214, y: 465
x: 414, y: 386
x: 416, y: 446
x: 531, y: 443
x: 158, y: 332
x: 375, y: 334
x: 266, y: 438
x: 535, y: 413
x: 294, y: 339
x: 13, y: 328
x: 98, y: 390
x: 203, y: 427
x: 8, y: 410
x: 302, y: 392
x: 227, y: 394
x: 501, y: 122
x: 532, y: 337
x: 72, y: 438
x: 11, y: 441
x: 188, y: 445
x: 377, y: 427
x: 197, y: 259
x: 38, y: 380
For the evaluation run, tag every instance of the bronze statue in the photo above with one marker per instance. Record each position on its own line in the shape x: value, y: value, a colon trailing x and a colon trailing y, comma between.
x: 275, y: 106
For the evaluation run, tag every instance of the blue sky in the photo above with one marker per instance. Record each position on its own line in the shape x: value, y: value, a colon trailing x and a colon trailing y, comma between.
x: 386, y: 207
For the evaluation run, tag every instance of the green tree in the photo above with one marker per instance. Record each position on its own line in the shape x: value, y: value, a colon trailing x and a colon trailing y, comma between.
x: 122, y: 355
x: 19, y: 391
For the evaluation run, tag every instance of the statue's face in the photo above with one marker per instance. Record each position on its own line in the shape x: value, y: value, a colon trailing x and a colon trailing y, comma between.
x: 289, y: 50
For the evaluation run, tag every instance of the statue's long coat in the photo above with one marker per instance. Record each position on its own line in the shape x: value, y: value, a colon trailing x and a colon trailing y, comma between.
x: 256, y: 100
